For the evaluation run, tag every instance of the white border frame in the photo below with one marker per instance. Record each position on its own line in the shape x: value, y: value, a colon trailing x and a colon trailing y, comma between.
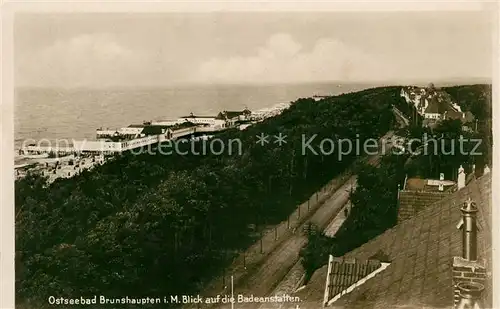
x: 9, y: 8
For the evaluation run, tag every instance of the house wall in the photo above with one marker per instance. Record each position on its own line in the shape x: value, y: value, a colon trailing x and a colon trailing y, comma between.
x: 97, y: 146
x: 432, y: 116
x: 131, y: 131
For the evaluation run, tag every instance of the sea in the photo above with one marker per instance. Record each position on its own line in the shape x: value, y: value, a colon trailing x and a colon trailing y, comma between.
x: 75, y: 114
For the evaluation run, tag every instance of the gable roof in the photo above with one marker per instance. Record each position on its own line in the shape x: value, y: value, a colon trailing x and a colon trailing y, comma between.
x: 434, y: 106
x: 421, y: 250
x: 346, y: 272
x: 441, y: 104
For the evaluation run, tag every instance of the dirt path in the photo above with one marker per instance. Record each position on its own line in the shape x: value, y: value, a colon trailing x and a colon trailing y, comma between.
x: 251, y: 260
x: 264, y: 280
x: 266, y: 271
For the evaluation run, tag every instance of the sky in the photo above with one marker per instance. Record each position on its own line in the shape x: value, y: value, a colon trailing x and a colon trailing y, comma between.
x: 164, y: 49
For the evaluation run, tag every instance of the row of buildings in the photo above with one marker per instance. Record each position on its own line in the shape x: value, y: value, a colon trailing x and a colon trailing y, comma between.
x: 224, y: 120
x: 110, y: 141
x: 433, y: 105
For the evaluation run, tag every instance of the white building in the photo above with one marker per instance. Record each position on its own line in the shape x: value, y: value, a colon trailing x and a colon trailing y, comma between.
x: 168, y: 122
x: 210, y: 120
x: 132, y: 131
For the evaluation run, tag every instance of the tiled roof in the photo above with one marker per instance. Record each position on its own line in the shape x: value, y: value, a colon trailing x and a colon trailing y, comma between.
x: 345, y: 273
x: 412, y: 202
x: 421, y: 250
x: 434, y: 106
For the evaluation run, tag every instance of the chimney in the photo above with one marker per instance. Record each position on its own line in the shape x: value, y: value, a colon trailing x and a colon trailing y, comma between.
x: 461, y: 178
x: 441, y: 178
x: 469, y: 273
x: 470, y: 295
x: 469, y: 230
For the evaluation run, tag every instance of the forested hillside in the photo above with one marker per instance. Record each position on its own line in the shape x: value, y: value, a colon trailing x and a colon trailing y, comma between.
x: 163, y: 224
x: 374, y: 201
x: 478, y: 100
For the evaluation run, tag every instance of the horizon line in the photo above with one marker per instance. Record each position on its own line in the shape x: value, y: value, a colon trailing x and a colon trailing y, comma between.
x: 458, y: 81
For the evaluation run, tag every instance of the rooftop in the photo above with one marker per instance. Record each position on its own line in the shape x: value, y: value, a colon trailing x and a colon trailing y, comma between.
x: 194, y: 116
x: 441, y: 104
x: 421, y: 251
x: 428, y: 185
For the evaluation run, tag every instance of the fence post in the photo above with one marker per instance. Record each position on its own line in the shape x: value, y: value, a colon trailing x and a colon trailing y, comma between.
x: 224, y: 272
x: 261, y: 249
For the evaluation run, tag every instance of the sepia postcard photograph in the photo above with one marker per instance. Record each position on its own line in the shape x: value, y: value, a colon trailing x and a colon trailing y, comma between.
x: 258, y: 156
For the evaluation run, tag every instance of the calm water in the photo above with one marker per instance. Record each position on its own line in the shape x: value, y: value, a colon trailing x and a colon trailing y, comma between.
x: 76, y: 114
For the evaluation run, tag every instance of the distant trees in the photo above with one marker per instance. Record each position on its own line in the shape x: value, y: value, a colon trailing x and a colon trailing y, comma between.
x: 375, y: 198
x: 444, y: 148
x: 478, y: 100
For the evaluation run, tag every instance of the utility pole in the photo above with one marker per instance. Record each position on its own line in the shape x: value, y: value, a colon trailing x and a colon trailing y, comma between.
x: 224, y: 270
x: 290, y: 184
x: 291, y: 172
x: 261, y: 249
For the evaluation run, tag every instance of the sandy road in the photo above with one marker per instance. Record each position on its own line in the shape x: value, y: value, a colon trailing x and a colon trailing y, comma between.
x: 264, y: 279
x: 254, y: 258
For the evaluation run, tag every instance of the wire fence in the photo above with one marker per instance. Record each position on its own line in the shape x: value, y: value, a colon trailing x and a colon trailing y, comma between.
x: 271, y: 237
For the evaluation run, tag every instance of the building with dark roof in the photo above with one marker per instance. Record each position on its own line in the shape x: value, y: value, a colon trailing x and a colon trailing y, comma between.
x: 411, y: 202
x: 417, y: 193
x: 433, y: 105
x: 433, y: 260
x: 155, y: 129
x: 234, y: 115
